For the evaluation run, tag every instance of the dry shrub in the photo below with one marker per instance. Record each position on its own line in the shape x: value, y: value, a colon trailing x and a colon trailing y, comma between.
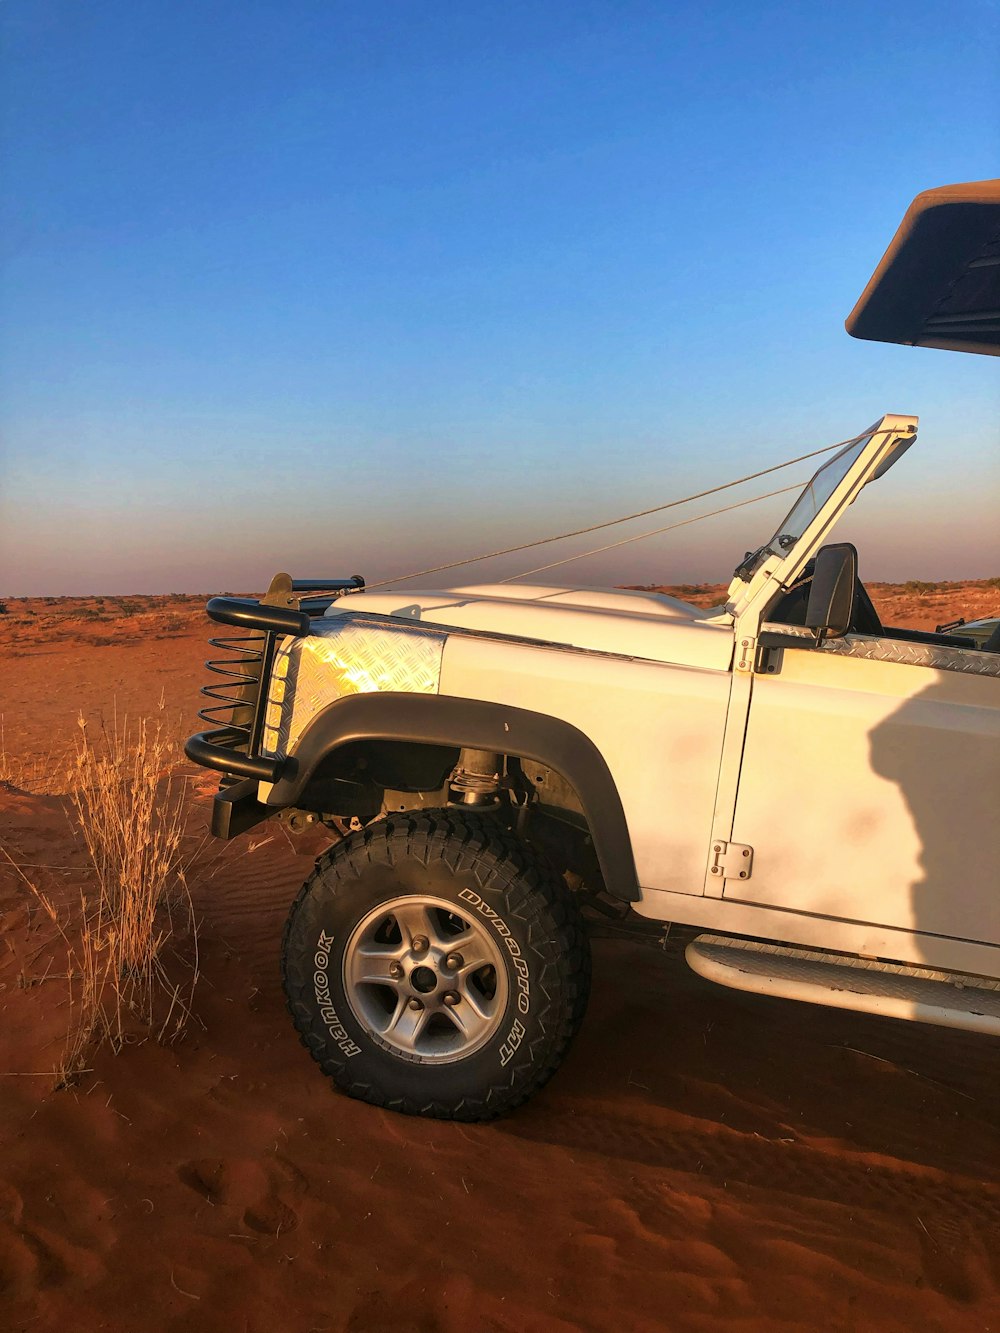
x: 130, y: 812
x: 127, y: 807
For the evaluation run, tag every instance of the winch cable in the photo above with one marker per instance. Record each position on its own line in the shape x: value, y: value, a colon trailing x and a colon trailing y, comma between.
x: 641, y: 536
x: 613, y: 522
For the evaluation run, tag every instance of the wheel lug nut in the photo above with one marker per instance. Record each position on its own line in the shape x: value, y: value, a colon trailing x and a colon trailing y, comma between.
x: 395, y: 971
x: 420, y: 944
x: 453, y: 962
x: 414, y: 1004
x: 451, y: 998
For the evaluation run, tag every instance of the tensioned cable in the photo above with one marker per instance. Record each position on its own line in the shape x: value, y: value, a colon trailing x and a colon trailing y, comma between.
x: 613, y: 522
x: 582, y: 555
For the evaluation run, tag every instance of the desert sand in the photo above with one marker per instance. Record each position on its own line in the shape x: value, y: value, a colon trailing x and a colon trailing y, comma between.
x: 703, y: 1161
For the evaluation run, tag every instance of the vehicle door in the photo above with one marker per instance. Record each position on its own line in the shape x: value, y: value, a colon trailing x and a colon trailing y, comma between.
x: 870, y: 784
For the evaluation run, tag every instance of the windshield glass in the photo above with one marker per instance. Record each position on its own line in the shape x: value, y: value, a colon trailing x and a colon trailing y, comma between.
x: 823, y: 484
x: 827, y: 481
x: 816, y: 494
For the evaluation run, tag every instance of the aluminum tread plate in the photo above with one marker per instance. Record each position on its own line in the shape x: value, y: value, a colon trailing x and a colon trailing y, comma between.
x: 341, y: 657
x: 874, y: 648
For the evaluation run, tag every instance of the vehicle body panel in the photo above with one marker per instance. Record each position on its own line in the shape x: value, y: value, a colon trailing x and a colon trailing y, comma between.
x: 637, y: 624
x: 658, y: 727
x: 869, y: 791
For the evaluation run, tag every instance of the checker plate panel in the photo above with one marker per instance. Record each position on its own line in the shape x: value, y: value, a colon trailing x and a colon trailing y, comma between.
x: 967, y: 660
x: 341, y: 657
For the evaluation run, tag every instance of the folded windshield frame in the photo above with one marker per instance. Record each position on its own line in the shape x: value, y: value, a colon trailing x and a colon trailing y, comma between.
x: 817, y: 494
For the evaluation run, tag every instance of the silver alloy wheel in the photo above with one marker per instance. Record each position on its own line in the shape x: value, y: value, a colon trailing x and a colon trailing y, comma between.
x: 426, y: 980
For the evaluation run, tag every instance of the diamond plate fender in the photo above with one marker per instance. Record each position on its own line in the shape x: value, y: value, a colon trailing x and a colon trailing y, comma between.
x: 339, y: 657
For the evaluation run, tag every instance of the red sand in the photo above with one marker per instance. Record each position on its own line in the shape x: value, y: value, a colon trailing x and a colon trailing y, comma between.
x: 703, y: 1161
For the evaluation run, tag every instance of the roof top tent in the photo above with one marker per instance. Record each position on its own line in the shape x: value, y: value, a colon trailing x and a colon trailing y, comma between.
x: 938, y: 284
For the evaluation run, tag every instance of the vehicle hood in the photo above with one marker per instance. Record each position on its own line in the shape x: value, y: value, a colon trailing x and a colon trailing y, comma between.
x: 644, y: 625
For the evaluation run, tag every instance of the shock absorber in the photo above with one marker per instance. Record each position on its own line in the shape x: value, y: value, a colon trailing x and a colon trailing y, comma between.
x: 475, y: 779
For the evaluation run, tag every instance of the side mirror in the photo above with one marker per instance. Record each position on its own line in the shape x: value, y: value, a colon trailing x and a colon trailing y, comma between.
x: 831, y: 597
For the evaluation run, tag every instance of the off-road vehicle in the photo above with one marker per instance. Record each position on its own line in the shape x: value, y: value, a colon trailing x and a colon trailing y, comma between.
x: 811, y: 795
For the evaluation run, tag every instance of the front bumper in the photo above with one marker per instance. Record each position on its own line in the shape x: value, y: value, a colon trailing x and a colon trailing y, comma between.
x: 236, y: 809
x: 239, y: 699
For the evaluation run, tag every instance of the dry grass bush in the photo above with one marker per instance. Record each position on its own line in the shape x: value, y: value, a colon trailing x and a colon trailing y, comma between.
x: 128, y: 809
x: 130, y: 812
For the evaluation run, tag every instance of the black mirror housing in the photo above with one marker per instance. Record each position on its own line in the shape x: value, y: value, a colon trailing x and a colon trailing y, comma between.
x: 831, y: 597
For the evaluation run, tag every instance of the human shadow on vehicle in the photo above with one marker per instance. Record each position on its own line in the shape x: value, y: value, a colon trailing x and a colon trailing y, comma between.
x: 941, y: 749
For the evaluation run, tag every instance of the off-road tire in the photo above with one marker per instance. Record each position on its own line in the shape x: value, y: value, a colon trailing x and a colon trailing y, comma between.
x: 527, y: 911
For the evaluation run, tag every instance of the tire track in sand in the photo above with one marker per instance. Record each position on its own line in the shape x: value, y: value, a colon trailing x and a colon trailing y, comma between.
x: 724, y: 1157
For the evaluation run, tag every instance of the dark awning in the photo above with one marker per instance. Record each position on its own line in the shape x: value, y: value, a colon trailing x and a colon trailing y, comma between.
x: 938, y: 284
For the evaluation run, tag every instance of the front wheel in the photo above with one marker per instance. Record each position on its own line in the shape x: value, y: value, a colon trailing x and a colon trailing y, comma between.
x: 434, y: 966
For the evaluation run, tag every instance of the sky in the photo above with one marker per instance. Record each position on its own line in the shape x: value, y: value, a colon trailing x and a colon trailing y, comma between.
x: 335, y: 287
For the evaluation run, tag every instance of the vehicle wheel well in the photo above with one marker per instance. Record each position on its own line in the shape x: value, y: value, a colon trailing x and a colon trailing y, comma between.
x: 412, y: 767
x: 417, y: 740
x: 366, y: 779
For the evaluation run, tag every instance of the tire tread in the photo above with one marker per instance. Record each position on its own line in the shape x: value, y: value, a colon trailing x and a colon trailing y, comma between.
x: 533, y: 890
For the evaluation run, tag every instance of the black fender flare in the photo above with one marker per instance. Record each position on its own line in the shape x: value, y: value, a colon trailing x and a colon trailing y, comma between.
x: 438, y: 719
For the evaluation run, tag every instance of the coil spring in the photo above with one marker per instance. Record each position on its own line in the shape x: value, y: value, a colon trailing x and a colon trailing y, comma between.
x: 237, y: 696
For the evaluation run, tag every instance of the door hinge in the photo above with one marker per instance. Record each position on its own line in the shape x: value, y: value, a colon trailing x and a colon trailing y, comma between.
x: 732, y: 860
x: 745, y: 650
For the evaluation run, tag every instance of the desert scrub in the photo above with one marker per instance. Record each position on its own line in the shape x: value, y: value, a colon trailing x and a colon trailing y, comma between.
x: 129, y: 811
x: 128, y: 978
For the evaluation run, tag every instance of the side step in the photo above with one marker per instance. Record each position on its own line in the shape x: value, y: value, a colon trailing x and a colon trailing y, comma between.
x: 842, y: 982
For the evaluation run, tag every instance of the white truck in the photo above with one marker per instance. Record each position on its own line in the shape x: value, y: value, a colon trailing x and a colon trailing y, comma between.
x: 809, y: 797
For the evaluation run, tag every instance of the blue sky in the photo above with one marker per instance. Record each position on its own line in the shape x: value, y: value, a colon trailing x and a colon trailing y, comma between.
x: 336, y: 287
